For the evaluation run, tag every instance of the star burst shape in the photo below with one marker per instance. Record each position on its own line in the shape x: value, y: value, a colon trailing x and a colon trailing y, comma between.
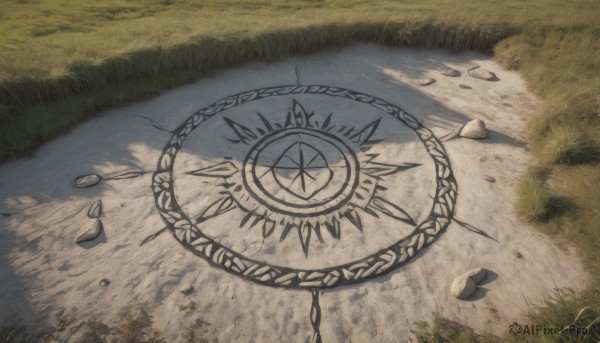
x: 303, y: 175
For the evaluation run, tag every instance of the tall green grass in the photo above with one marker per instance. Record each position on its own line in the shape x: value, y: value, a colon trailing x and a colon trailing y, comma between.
x: 208, y: 53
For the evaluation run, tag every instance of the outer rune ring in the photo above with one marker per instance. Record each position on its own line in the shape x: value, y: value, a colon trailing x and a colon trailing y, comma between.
x: 381, y: 262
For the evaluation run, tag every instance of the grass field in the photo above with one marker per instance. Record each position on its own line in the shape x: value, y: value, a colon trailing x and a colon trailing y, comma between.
x: 61, y: 61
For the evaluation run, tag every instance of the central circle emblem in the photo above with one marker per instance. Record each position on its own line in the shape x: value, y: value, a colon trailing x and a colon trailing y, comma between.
x: 309, y: 175
x: 301, y: 171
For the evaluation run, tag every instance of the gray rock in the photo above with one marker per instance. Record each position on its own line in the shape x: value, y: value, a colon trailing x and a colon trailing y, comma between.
x: 477, y: 274
x: 87, y: 180
x: 482, y: 159
x: 463, y: 287
x: 187, y: 289
x: 95, y: 209
x: 104, y: 282
x: 474, y: 129
x: 482, y: 73
x: 451, y: 72
x: 489, y: 178
x: 90, y: 230
x: 426, y: 82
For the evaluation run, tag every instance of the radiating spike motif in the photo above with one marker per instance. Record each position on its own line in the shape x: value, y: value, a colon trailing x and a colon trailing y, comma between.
x: 380, y: 204
x: 286, y: 230
x: 265, y: 122
x: 327, y: 121
x: 300, y: 114
x: 316, y: 228
x: 348, y: 132
x: 244, y: 134
x: 223, y: 169
x: 153, y: 236
x: 127, y: 175
x: 354, y: 218
x: 217, y: 208
x: 258, y: 219
x: 268, y: 227
x: 362, y: 136
x: 334, y: 228
x: 305, y: 232
x: 153, y: 123
x: 246, y: 218
x: 377, y: 169
x: 369, y: 211
x: 288, y: 119
x: 474, y: 229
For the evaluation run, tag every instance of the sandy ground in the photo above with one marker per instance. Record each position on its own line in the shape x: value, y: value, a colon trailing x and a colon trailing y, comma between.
x: 48, y: 280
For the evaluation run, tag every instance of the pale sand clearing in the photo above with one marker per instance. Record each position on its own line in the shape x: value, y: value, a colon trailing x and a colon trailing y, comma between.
x: 44, y: 273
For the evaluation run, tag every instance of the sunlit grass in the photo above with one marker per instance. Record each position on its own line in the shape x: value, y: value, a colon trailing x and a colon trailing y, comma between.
x: 534, y: 198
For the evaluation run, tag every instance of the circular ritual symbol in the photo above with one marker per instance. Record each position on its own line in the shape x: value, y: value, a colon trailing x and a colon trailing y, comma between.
x: 304, y: 160
x: 293, y: 167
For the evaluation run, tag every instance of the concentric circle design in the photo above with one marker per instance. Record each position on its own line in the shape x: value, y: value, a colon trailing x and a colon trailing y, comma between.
x: 311, y: 195
x: 191, y: 236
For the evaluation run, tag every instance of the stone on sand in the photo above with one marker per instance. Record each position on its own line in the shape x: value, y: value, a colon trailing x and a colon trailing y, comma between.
x: 489, y: 178
x: 87, y: 180
x: 187, y: 289
x: 463, y: 287
x: 482, y: 73
x: 426, y: 82
x: 477, y: 274
x: 451, y: 72
x: 90, y: 230
x: 474, y: 129
x: 95, y: 209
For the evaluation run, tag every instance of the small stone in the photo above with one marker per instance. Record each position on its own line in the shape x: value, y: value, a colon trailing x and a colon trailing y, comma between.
x: 477, y: 274
x: 451, y: 72
x: 187, y: 289
x: 87, y: 180
x: 426, y: 82
x: 474, y: 129
x: 463, y: 86
x: 489, y: 178
x: 95, y: 209
x: 90, y: 230
x: 482, y: 159
x: 463, y: 287
x: 482, y: 73
x: 104, y: 283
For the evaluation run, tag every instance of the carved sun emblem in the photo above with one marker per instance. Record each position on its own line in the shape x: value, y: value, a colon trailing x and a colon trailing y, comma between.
x: 303, y: 176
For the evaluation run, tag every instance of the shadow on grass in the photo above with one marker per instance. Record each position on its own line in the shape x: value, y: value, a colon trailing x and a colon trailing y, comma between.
x: 585, y: 154
x: 558, y: 206
x: 554, y: 207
